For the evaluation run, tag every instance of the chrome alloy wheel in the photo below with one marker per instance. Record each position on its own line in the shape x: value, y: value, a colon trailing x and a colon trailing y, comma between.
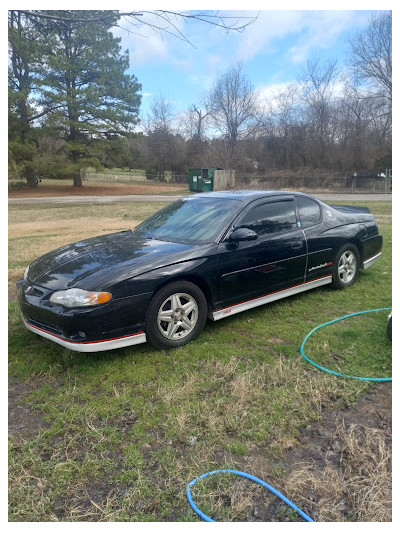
x: 347, y: 267
x: 177, y: 316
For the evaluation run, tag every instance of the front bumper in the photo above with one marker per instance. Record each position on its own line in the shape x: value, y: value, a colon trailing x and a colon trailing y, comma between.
x: 90, y: 346
x: 115, y: 324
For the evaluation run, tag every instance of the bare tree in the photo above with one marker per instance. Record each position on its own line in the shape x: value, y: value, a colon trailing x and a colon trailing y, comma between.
x: 354, y: 117
x: 318, y: 82
x: 193, y: 125
x: 161, y: 114
x: 371, y: 54
x: 285, y: 114
x: 160, y: 135
x: 232, y: 103
x: 199, y: 120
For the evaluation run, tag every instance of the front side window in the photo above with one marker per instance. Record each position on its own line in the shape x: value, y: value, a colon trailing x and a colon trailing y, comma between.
x: 272, y: 217
x: 309, y: 211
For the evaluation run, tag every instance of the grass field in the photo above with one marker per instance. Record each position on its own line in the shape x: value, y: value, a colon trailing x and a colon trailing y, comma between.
x: 116, y: 436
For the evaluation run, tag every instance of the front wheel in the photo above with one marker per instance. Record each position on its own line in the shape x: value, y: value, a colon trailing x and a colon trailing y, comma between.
x: 176, y: 315
x: 346, y: 267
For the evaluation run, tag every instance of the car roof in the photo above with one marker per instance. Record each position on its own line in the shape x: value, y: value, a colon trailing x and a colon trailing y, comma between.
x: 244, y: 195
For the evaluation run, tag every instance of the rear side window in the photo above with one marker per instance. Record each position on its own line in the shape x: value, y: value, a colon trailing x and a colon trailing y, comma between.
x: 309, y: 211
x: 274, y: 217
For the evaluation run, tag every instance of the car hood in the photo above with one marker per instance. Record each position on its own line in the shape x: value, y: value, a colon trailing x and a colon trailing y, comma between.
x: 72, y: 264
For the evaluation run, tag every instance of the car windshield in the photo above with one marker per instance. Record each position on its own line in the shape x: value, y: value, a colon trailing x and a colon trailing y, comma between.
x: 191, y: 220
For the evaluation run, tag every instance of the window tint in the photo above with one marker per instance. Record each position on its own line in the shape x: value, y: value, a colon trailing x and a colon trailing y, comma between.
x: 309, y: 211
x: 272, y: 217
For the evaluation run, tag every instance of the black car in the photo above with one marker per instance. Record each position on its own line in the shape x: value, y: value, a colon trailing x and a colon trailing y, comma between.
x: 207, y: 255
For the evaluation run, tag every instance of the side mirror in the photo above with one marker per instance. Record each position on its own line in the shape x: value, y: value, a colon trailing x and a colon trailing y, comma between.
x: 243, y: 234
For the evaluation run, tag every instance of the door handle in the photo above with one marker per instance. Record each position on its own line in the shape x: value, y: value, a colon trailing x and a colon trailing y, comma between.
x: 296, y: 245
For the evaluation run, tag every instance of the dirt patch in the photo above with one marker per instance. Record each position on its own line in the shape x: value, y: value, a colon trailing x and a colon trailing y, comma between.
x: 23, y: 421
x: 341, y: 470
x: 96, y: 190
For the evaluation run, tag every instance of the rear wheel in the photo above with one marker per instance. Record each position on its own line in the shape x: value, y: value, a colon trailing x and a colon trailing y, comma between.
x: 176, y: 315
x: 346, y: 266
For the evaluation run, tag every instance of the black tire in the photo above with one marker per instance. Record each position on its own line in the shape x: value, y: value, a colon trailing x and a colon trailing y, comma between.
x: 184, y: 307
x: 346, y: 267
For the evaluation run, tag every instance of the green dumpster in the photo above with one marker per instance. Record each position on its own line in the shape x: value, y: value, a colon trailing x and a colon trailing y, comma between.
x: 202, y: 179
x: 195, y: 179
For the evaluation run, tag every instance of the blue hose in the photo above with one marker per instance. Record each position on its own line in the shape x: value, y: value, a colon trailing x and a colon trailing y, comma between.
x: 248, y: 476
x: 332, y: 322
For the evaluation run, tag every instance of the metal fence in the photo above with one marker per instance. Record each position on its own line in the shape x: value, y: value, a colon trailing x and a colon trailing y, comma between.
x: 347, y: 184
x: 134, y: 177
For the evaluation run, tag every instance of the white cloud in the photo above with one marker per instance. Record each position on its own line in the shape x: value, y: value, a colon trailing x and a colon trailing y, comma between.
x: 145, y: 48
x: 320, y: 30
x: 260, y: 36
x: 311, y: 29
x: 272, y: 89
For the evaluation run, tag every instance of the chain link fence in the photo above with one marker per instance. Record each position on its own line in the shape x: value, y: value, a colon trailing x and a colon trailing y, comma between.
x: 134, y: 176
x: 349, y: 184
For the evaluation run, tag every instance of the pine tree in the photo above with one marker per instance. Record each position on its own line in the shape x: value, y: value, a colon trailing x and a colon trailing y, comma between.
x: 85, y: 86
x: 25, y: 52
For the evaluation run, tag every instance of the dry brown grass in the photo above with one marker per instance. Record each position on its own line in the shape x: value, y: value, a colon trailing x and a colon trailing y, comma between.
x: 65, y: 188
x: 74, y: 228
x: 224, y: 396
x: 360, y: 489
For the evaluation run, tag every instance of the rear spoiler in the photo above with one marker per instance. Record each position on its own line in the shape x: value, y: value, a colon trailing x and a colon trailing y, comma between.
x: 351, y: 209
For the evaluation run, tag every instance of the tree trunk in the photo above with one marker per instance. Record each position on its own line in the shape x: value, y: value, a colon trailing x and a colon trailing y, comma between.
x: 77, y: 179
x: 30, y: 176
x: 76, y: 175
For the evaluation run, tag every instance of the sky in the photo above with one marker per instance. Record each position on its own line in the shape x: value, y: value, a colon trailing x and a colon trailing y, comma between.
x: 273, y: 50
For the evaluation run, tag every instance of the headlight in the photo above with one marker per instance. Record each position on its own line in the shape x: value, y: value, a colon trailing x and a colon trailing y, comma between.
x: 26, y: 273
x: 79, y: 298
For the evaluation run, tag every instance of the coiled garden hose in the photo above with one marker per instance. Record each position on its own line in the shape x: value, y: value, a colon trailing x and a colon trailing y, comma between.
x: 332, y: 322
